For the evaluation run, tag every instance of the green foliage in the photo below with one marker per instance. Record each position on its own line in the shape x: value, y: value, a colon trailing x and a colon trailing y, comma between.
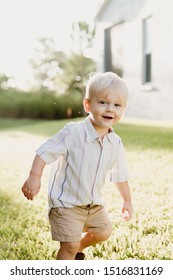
x: 75, y: 72
x: 82, y: 36
x: 39, y: 106
x: 3, y: 80
x: 55, y: 70
x: 46, y: 64
x: 24, y: 231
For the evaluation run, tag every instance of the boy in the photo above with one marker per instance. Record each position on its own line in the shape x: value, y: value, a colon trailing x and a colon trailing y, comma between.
x: 82, y: 154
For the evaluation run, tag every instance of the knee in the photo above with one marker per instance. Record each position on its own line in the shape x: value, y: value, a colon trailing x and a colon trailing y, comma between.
x: 102, y: 236
x: 107, y: 234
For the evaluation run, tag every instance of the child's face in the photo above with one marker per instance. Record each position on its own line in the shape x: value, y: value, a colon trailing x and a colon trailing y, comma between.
x: 105, y: 109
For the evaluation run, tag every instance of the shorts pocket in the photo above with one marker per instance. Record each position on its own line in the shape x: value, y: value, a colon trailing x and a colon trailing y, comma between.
x: 59, y: 211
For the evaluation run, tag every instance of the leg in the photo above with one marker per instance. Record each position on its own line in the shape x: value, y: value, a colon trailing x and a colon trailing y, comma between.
x: 92, y: 238
x: 67, y: 250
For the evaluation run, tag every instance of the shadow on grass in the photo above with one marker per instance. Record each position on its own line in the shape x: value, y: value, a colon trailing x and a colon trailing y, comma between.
x: 145, y: 137
x: 7, y: 124
x: 134, y: 136
x: 37, y: 127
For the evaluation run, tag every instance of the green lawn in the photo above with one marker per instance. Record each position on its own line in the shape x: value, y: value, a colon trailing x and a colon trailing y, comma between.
x: 24, y: 228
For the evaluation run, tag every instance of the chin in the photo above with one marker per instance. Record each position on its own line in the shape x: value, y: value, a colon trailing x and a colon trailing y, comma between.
x: 105, y: 126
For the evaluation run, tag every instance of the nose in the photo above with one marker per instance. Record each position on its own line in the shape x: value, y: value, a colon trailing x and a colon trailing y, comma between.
x: 110, y: 108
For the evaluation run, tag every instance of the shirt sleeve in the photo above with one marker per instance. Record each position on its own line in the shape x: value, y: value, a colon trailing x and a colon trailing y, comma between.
x: 56, y: 146
x: 119, y: 171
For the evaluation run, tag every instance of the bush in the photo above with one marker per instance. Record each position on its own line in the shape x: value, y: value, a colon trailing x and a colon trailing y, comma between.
x: 40, y: 106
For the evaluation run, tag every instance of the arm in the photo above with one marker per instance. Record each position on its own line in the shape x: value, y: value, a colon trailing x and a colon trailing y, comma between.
x: 32, y: 185
x: 127, y: 209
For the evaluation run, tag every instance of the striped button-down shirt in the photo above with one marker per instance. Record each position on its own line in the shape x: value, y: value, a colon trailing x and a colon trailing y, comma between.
x: 80, y: 164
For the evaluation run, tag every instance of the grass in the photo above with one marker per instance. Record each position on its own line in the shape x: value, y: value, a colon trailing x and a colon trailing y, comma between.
x: 24, y: 228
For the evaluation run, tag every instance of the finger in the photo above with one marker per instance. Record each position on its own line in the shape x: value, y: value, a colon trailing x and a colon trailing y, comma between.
x: 23, y: 188
x: 126, y: 215
x: 28, y: 194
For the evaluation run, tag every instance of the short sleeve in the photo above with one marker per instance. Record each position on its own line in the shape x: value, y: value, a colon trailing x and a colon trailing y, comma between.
x: 119, y: 171
x: 55, y: 146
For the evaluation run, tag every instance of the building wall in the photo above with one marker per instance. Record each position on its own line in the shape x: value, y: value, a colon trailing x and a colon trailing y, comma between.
x: 153, y: 100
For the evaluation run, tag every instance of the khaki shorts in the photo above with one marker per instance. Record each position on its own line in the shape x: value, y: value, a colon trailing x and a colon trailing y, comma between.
x: 68, y: 224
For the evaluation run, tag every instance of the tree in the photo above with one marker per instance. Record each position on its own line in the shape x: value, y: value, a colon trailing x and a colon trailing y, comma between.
x: 82, y: 36
x: 54, y: 70
x: 3, y: 81
x: 77, y: 66
x: 46, y: 64
x: 75, y: 72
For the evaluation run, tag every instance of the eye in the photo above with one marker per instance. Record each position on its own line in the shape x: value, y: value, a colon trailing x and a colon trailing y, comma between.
x: 117, y: 105
x: 102, y: 102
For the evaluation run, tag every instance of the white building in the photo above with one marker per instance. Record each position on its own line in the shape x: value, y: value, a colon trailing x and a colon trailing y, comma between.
x: 135, y: 40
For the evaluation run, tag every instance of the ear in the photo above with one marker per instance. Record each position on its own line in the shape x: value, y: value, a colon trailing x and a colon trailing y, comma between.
x: 86, y: 105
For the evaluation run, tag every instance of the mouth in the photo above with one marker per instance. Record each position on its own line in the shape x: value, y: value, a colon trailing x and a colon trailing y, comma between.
x: 108, y: 117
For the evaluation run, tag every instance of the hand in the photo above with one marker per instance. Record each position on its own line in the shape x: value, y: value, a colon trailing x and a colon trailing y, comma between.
x: 127, y: 210
x: 31, y: 187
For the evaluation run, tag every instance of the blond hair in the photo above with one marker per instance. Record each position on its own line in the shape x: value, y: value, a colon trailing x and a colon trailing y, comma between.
x: 104, y: 83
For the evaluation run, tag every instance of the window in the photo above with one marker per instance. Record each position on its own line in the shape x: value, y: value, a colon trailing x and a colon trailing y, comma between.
x: 114, y: 40
x: 147, y: 50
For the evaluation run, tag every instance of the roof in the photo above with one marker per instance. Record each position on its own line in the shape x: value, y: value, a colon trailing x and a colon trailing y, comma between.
x: 116, y: 11
x: 101, y: 7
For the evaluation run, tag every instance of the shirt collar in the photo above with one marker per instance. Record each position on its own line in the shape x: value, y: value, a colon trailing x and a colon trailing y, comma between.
x: 111, y: 135
x: 92, y: 133
x: 90, y: 130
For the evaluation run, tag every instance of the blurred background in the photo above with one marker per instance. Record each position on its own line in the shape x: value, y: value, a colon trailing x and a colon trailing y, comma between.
x: 49, y: 48
x: 46, y: 54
